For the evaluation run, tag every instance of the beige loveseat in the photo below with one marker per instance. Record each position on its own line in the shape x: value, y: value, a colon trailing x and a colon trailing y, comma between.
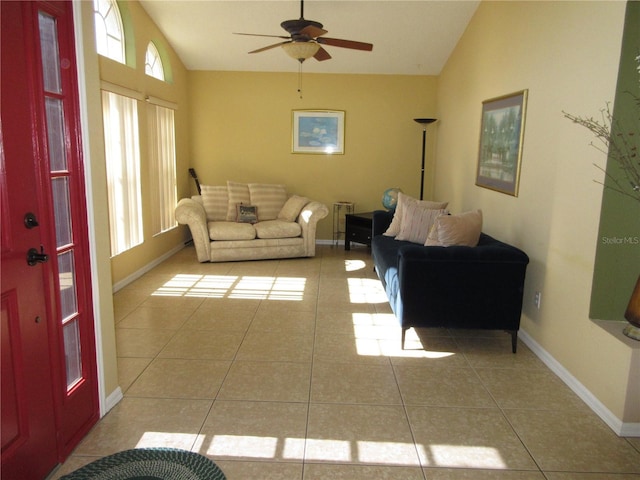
x: 285, y: 226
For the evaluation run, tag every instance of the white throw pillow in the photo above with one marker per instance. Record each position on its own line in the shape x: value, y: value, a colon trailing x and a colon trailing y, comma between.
x: 292, y: 208
x: 394, y: 228
x: 417, y: 222
x: 215, y: 200
x: 462, y: 229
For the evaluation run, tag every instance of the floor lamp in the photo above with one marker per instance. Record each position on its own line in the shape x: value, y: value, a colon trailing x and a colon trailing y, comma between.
x: 424, y: 122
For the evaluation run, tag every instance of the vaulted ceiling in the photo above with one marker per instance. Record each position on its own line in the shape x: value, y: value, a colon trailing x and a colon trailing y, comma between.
x: 410, y: 37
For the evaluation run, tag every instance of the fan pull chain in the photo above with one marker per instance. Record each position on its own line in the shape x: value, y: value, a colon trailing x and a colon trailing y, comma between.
x: 300, y: 79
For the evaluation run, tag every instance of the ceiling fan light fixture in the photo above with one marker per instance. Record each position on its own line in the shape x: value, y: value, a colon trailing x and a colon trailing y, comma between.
x: 301, y: 50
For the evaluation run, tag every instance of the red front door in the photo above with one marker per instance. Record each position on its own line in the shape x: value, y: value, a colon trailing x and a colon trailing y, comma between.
x: 49, y: 383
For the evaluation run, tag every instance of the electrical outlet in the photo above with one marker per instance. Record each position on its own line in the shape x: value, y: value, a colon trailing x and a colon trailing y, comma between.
x: 537, y: 299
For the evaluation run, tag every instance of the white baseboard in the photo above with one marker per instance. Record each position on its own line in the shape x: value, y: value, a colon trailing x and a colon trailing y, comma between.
x: 618, y: 426
x: 329, y: 242
x: 114, y: 397
x: 137, y: 274
x: 111, y: 401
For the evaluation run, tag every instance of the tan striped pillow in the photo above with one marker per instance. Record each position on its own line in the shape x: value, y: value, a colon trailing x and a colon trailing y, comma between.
x: 238, y: 193
x: 215, y: 200
x: 417, y: 222
x: 268, y: 198
x: 396, y: 222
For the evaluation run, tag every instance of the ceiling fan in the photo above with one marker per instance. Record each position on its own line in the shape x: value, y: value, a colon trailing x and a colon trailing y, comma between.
x: 306, y: 38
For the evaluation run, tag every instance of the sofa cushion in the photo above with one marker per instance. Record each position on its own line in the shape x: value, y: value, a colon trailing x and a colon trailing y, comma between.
x: 403, y: 200
x: 231, y: 231
x: 292, y: 208
x: 268, y: 198
x: 238, y: 193
x: 463, y: 229
x: 215, y: 199
x: 417, y: 222
x: 277, y: 229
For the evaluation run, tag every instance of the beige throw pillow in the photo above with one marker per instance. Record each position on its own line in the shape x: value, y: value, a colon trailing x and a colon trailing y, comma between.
x: 292, y: 208
x: 403, y: 200
x: 268, y: 198
x: 215, y: 200
x: 238, y: 193
x: 417, y: 222
x: 462, y: 229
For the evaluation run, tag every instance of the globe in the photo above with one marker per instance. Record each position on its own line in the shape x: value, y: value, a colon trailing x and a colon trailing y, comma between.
x: 390, y: 198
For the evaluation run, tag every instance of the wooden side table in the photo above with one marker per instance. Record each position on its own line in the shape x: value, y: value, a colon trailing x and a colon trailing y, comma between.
x: 358, y: 228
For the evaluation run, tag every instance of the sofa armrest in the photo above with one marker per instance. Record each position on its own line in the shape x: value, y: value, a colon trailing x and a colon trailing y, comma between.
x: 308, y: 220
x: 381, y: 221
x: 191, y: 213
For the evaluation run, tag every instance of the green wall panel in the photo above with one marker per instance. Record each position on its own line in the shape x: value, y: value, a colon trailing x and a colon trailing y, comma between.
x: 617, y: 264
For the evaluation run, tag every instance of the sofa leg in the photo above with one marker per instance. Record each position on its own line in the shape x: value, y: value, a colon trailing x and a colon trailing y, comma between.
x: 404, y: 334
x: 514, y: 340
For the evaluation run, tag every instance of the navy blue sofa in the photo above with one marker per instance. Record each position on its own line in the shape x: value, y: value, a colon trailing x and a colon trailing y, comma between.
x: 452, y: 287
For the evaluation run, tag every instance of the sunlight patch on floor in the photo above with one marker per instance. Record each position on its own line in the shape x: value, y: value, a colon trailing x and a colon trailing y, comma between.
x: 366, y: 290
x: 232, y: 286
x: 389, y: 453
x: 328, y: 450
x: 466, y: 456
x: 354, y: 265
x: 378, y: 335
x: 243, y: 446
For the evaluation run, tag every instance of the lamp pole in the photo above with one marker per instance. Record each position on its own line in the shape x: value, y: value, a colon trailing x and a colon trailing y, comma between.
x: 424, y: 122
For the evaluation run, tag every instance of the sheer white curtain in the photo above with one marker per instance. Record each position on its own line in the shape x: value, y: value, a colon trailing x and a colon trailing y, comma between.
x: 162, y: 150
x: 122, y: 151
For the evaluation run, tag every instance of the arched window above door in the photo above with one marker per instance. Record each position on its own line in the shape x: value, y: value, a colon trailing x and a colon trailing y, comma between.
x: 153, y: 63
x: 109, y: 31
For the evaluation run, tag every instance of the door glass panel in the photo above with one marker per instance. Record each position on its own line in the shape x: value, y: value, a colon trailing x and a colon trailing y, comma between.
x: 66, y: 269
x: 55, y: 132
x: 49, y: 52
x: 61, y: 209
x: 72, y: 352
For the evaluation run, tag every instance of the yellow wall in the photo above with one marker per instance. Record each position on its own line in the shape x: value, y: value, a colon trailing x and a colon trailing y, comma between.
x: 134, y: 78
x: 241, y: 131
x: 566, y: 54
x: 107, y: 271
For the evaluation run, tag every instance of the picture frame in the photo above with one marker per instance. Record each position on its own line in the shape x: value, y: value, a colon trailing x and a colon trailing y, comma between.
x: 501, y: 140
x: 246, y: 213
x: 318, y: 131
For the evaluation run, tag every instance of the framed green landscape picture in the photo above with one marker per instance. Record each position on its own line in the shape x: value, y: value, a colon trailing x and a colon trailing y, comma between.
x: 501, y: 138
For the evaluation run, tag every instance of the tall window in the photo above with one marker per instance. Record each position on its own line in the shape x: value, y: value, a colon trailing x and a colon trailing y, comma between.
x: 122, y: 151
x: 109, y: 31
x: 153, y: 63
x: 162, y: 149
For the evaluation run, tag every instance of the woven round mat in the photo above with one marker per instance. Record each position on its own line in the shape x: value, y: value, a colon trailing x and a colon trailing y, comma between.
x: 149, y: 464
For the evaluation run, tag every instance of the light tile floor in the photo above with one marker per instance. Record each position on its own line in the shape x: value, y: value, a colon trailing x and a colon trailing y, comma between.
x: 292, y: 369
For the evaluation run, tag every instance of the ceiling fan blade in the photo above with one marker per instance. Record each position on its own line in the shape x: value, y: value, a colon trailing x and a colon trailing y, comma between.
x: 337, y: 42
x: 312, y: 31
x: 322, y: 55
x: 269, y: 47
x: 260, y: 35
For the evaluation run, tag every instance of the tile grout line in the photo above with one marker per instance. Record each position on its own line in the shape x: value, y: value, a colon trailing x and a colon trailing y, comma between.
x: 503, y: 413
